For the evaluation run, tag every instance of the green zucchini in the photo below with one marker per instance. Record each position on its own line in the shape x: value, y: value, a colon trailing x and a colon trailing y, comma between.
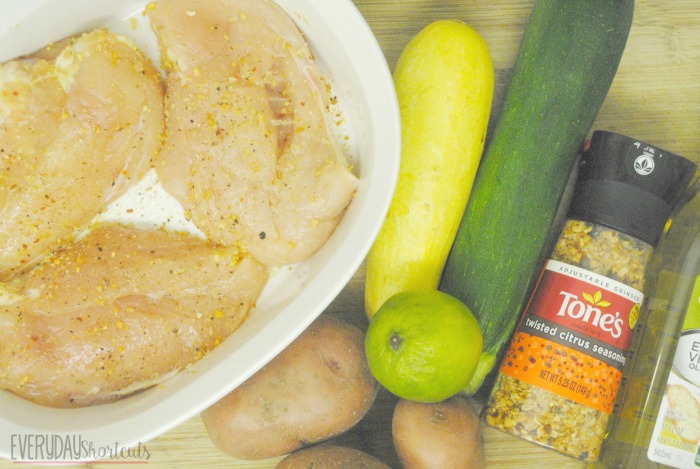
x: 567, y: 60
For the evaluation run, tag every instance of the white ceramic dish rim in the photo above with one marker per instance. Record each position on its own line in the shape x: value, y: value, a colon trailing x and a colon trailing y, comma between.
x: 344, y: 44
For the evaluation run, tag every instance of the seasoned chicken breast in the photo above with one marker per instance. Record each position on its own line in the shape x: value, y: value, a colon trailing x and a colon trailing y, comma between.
x: 118, y: 311
x: 248, y: 152
x: 80, y: 121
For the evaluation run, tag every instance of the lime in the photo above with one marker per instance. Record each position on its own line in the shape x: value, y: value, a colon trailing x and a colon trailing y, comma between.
x: 423, y: 345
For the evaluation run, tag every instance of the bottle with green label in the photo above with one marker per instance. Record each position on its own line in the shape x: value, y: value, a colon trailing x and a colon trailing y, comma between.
x: 657, y: 420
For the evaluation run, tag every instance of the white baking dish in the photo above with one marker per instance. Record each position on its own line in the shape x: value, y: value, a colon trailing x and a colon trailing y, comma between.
x: 350, y: 57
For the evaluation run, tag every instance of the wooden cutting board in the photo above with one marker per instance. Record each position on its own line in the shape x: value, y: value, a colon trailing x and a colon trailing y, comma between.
x: 655, y: 97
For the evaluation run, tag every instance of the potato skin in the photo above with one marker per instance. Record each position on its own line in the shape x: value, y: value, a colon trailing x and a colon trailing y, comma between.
x: 318, y: 387
x: 443, y: 435
x: 330, y: 457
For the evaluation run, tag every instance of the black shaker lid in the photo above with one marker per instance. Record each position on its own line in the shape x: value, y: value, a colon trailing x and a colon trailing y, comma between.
x: 629, y: 185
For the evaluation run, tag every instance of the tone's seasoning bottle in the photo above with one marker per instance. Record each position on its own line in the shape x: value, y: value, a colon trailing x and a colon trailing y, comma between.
x: 558, y: 381
x: 657, y: 423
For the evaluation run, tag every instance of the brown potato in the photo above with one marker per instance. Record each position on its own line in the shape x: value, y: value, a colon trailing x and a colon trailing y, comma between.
x: 317, y: 388
x: 331, y: 457
x: 444, y: 435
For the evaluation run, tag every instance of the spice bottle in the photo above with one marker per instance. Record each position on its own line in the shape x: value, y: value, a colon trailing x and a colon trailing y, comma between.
x: 657, y: 423
x: 558, y: 381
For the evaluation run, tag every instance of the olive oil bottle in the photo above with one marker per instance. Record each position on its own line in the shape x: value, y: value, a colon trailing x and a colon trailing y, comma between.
x: 657, y: 421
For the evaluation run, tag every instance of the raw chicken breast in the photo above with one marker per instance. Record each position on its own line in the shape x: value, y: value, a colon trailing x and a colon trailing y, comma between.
x: 249, y: 152
x: 79, y: 123
x: 118, y: 311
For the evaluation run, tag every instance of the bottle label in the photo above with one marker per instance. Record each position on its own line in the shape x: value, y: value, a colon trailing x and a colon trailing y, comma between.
x: 574, y: 336
x: 677, y: 429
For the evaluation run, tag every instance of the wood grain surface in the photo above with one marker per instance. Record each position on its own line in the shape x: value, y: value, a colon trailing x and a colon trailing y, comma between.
x: 655, y: 97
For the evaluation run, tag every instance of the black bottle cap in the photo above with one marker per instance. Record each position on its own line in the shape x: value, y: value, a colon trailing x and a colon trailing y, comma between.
x: 629, y: 185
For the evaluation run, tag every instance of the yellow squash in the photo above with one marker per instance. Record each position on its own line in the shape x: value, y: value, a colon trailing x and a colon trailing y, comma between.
x: 444, y: 83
